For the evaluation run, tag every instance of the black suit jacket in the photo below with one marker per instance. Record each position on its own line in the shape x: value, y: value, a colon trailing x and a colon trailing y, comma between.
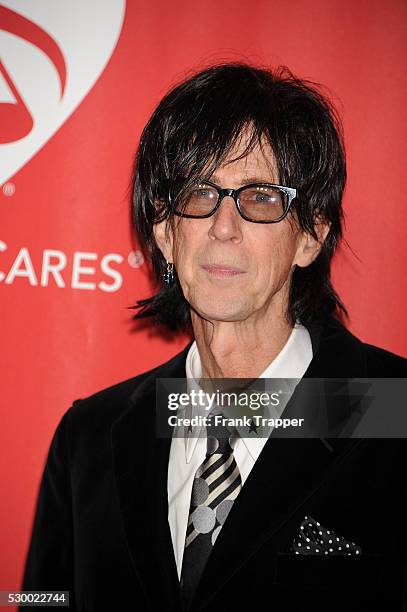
x: 101, y: 528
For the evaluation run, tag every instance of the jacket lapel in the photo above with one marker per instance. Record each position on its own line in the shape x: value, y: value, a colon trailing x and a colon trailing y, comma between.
x: 287, y: 473
x: 140, y: 463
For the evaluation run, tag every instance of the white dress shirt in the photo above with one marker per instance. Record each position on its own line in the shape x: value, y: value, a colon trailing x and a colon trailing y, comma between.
x: 187, y: 454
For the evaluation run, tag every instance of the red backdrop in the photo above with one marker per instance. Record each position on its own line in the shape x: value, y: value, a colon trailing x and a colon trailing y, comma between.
x: 77, y: 84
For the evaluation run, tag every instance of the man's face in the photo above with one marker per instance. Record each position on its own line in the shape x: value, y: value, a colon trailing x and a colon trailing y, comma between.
x: 231, y: 269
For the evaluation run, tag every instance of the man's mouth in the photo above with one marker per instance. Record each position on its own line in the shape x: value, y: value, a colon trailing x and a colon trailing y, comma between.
x: 222, y: 270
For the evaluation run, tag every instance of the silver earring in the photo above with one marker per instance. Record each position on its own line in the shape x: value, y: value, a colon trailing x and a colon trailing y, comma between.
x: 169, y: 274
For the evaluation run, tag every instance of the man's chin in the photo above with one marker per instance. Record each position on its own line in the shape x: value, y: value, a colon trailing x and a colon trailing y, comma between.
x: 222, y: 313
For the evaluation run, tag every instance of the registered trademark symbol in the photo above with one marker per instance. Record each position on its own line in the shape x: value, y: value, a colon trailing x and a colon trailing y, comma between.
x: 9, y: 189
x: 135, y: 259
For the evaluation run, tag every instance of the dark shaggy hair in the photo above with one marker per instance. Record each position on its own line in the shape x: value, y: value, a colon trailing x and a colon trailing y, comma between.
x: 192, y: 131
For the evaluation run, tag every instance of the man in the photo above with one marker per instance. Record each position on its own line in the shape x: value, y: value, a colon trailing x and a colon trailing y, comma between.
x: 238, y: 188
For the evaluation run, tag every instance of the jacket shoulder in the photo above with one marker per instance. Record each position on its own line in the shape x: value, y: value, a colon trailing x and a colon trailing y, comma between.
x: 107, y: 405
x: 383, y: 363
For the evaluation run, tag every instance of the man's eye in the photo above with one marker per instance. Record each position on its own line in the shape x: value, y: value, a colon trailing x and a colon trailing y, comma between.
x: 202, y: 193
x: 263, y: 197
x: 260, y: 196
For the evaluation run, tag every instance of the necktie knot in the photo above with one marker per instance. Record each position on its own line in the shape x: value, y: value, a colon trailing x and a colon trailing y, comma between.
x: 219, y: 446
x: 219, y: 440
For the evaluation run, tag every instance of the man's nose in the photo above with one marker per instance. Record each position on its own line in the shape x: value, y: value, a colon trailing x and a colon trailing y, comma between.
x: 226, y: 222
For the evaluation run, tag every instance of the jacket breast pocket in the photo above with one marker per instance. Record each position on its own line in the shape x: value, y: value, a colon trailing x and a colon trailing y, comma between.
x: 338, y: 574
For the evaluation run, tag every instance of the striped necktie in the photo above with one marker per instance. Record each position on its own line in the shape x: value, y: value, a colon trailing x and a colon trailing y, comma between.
x: 216, y: 484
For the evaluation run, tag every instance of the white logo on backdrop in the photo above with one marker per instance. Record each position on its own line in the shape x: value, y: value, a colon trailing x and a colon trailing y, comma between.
x: 53, y: 52
x: 77, y: 270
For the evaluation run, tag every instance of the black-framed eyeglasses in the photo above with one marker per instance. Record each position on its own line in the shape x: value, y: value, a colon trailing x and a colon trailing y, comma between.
x: 256, y: 202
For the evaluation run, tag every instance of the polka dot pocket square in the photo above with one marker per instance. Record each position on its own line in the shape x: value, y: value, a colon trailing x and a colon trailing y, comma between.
x: 314, y: 539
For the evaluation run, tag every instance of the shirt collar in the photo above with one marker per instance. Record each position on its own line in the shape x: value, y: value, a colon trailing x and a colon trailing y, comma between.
x: 291, y: 363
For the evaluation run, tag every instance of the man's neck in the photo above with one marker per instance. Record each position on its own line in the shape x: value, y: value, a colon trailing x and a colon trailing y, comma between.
x: 238, y: 349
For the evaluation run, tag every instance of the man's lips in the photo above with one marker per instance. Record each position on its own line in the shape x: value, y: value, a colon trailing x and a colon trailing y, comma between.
x: 222, y: 270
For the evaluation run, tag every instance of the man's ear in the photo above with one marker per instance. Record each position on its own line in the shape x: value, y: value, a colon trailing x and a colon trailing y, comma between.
x: 164, y: 238
x: 310, y: 246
